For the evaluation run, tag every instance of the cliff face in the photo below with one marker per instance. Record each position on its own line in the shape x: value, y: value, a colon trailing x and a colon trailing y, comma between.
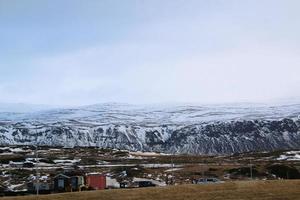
x: 217, y: 137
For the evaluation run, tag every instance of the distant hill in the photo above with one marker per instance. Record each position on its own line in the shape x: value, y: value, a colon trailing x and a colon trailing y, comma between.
x: 195, y: 129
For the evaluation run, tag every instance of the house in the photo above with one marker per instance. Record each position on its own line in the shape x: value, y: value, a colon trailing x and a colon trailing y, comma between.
x: 16, y: 164
x: 43, y: 187
x: 62, y: 183
x: 28, y: 164
x: 77, y: 183
x: 96, y: 181
x: 112, y: 183
x: 2, y: 189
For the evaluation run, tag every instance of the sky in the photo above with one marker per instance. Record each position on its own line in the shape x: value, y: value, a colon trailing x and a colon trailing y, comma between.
x: 80, y: 52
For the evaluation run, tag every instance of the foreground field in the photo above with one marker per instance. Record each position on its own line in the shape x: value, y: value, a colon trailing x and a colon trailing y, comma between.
x: 240, y: 190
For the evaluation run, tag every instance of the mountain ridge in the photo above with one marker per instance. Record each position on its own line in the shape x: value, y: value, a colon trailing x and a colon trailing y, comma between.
x: 173, y: 129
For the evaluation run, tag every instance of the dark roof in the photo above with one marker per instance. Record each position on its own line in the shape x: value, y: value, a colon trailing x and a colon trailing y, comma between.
x: 61, y: 175
x: 94, y: 174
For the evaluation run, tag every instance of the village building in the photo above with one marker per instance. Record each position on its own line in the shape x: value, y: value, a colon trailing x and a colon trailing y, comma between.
x: 77, y: 183
x: 16, y: 164
x: 112, y: 183
x: 43, y: 187
x: 28, y: 164
x: 62, y: 183
x: 2, y: 189
x: 96, y: 181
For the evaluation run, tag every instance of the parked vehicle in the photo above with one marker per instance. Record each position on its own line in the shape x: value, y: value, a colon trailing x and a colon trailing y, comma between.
x: 145, y: 184
x: 124, y: 185
x: 207, y: 181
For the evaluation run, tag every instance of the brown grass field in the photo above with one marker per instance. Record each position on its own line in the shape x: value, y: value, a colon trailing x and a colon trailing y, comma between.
x: 239, y: 190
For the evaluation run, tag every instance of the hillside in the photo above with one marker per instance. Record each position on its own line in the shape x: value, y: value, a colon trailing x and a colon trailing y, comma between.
x: 219, y: 129
x: 243, y: 190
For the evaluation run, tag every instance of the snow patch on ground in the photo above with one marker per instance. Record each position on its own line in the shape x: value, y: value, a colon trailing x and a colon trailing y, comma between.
x: 173, y: 169
x: 139, y: 153
x: 67, y: 161
x: 156, y: 182
x: 290, y: 155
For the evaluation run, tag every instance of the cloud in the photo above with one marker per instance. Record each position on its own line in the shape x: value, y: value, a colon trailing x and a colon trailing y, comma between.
x: 247, y: 73
x: 207, y: 53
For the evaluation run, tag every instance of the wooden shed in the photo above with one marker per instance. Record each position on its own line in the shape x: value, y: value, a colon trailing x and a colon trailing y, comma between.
x: 96, y: 181
x: 77, y: 183
x: 62, y: 183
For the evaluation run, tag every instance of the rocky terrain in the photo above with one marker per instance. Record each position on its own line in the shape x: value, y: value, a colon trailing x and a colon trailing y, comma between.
x: 19, y: 166
x: 218, y: 129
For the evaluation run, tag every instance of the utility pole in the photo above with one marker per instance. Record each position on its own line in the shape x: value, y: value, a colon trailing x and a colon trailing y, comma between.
x: 251, y: 172
x: 37, y: 163
x: 203, y: 167
x: 173, y: 178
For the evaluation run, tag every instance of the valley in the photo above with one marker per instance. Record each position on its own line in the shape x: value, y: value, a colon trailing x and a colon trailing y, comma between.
x: 18, y: 165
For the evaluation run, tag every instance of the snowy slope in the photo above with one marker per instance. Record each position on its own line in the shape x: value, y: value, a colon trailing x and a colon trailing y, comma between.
x: 171, y: 129
x: 159, y: 114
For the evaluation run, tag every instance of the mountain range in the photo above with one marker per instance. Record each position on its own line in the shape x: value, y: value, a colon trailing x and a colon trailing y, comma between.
x: 181, y: 128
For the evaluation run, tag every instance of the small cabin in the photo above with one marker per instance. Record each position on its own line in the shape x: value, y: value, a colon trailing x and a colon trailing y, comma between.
x: 2, y: 189
x: 77, y: 183
x: 16, y: 164
x: 112, y: 183
x: 28, y: 164
x: 96, y: 181
x: 62, y: 183
x: 43, y: 187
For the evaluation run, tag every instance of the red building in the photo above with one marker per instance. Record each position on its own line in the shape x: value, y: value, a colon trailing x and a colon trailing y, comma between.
x: 96, y: 181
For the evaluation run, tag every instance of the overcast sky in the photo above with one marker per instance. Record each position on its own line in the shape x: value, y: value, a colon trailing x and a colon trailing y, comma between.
x: 64, y: 52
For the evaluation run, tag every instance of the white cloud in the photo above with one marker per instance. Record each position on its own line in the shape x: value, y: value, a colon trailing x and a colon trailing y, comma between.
x: 247, y: 73
x: 221, y: 52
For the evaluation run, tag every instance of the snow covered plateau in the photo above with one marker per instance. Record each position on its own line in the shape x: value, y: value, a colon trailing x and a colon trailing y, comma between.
x: 193, y: 129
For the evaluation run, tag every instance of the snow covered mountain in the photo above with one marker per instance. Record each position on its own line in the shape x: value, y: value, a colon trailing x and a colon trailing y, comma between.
x: 208, y: 129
